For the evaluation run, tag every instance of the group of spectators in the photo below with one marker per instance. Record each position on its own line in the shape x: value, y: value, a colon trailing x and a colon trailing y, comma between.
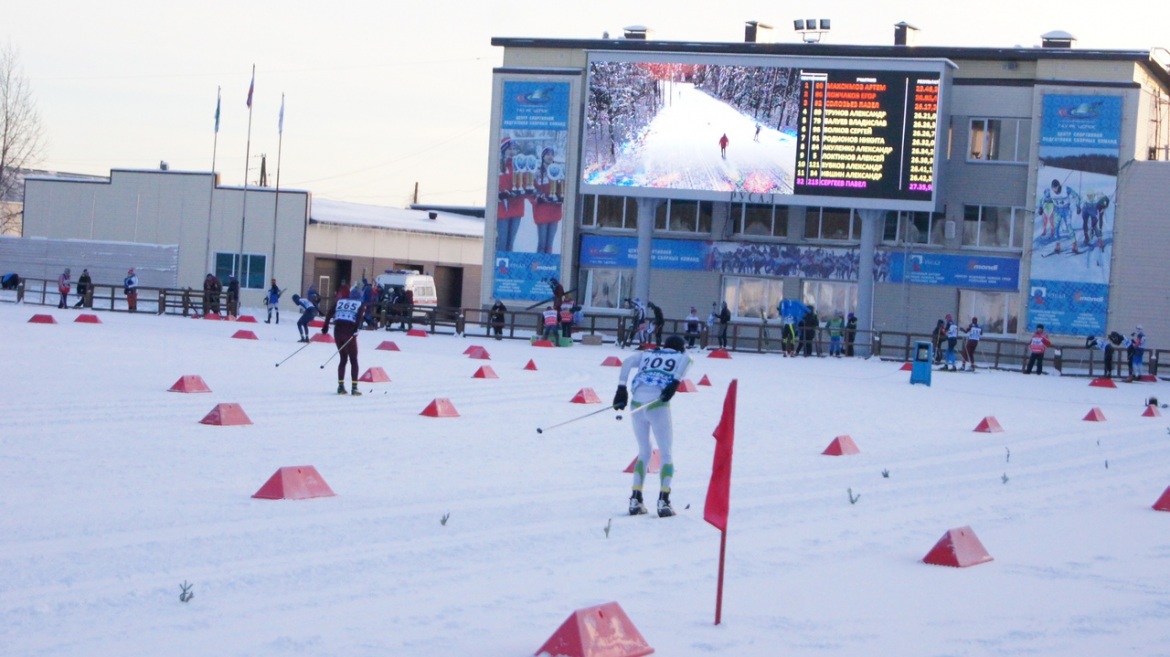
x: 213, y: 288
x: 85, y: 288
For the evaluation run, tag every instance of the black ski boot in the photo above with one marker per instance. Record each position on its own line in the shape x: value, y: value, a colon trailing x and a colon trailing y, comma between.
x: 664, y: 508
x: 354, y: 391
x: 637, y: 508
x: 340, y: 388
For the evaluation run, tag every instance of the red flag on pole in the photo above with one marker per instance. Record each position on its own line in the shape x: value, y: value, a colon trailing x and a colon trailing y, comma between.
x: 719, y: 490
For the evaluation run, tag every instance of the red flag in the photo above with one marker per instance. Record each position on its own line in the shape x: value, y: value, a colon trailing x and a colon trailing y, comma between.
x: 719, y: 490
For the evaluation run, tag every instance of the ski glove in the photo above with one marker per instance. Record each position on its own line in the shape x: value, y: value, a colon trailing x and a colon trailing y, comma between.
x: 621, y: 398
x: 669, y: 391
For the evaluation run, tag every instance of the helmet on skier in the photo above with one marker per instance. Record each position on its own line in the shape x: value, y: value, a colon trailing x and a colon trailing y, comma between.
x: 296, y: 298
x: 1056, y: 185
x: 676, y: 343
x: 974, y: 320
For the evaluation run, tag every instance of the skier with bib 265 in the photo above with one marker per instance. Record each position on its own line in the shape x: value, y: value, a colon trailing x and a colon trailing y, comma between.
x: 346, y: 314
x: 659, y: 373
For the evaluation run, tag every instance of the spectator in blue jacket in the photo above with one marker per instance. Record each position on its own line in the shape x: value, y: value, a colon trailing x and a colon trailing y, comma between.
x: 272, y: 300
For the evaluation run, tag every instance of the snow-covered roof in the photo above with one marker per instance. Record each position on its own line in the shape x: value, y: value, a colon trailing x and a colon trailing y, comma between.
x: 327, y: 211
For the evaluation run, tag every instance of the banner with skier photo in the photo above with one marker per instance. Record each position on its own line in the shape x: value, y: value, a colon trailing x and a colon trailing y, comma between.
x: 531, y: 190
x: 1076, y: 193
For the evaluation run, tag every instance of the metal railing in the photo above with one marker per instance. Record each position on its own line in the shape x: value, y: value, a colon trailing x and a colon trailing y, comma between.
x: 758, y: 337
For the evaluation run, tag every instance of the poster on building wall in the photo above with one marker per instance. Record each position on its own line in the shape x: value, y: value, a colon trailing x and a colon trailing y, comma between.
x: 534, y: 130
x: 976, y: 272
x: 1072, y: 231
x: 735, y: 258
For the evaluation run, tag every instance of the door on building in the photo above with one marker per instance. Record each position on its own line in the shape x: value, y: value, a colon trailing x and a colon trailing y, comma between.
x: 449, y: 286
x: 329, y: 272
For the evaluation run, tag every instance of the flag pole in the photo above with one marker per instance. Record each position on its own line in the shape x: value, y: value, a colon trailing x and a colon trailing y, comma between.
x: 276, y: 202
x: 211, y: 192
x: 247, y: 157
x: 718, y: 505
x: 719, y: 587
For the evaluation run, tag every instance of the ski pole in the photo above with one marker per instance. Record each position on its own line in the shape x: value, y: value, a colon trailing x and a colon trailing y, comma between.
x: 600, y: 410
x: 293, y: 353
x: 338, y: 350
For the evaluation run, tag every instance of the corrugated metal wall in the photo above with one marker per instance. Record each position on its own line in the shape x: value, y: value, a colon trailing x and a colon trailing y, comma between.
x: 156, y: 265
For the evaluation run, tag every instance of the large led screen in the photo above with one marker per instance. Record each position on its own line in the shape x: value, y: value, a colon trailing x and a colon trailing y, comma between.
x: 796, y: 131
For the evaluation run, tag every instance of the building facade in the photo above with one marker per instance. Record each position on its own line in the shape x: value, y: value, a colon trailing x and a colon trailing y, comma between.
x: 899, y: 183
x: 256, y: 233
x: 352, y: 241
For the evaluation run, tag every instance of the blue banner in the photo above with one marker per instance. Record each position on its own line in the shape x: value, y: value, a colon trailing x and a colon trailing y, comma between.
x: 525, y: 276
x: 957, y: 270
x: 537, y: 105
x: 1068, y: 307
x: 1081, y: 122
x: 605, y: 251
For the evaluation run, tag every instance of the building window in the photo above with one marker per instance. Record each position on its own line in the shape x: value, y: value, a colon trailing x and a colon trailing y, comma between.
x: 836, y: 224
x: 684, y: 216
x: 752, y: 298
x: 609, y: 212
x: 829, y: 297
x: 605, y: 289
x: 251, y: 275
x: 993, y: 226
x: 753, y: 220
x: 1000, y: 140
x: 913, y: 228
x: 998, y: 312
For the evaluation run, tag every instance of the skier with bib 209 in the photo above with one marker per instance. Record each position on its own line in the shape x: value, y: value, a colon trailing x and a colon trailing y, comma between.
x: 346, y: 314
x: 659, y: 373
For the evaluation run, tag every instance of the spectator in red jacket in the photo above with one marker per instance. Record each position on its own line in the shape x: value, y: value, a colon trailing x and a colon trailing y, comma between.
x: 1037, y: 346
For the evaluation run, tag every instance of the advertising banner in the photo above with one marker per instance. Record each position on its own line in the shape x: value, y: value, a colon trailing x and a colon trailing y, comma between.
x: 534, y: 130
x: 1072, y: 233
x: 979, y: 272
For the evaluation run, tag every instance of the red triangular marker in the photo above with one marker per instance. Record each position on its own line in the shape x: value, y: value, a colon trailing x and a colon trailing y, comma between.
x: 226, y: 415
x: 586, y: 396
x: 989, y: 425
x: 485, y: 372
x: 1163, y: 503
x: 654, y: 466
x: 601, y: 631
x: 190, y: 383
x: 440, y: 407
x: 299, y: 482
x: 841, y: 446
x: 958, y: 548
x: 1094, y: 415
x: 375, y: 375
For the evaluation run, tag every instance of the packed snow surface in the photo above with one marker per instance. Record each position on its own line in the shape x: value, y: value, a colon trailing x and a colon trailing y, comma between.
x: 113, y: 494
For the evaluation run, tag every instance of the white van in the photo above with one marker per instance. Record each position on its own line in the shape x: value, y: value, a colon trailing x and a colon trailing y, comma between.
x: 421, y: 285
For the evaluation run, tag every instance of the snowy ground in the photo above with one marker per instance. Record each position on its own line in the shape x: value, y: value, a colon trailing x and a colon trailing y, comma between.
x: 112, y: 494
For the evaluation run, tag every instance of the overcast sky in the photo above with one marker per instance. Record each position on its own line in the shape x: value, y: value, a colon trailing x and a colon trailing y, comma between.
x: 381, y: 95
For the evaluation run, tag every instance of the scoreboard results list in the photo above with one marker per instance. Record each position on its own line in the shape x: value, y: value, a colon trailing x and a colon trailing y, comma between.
x: 869, y: 134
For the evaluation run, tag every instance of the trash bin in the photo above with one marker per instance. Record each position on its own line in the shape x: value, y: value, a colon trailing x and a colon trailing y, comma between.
x: 923, y: 358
